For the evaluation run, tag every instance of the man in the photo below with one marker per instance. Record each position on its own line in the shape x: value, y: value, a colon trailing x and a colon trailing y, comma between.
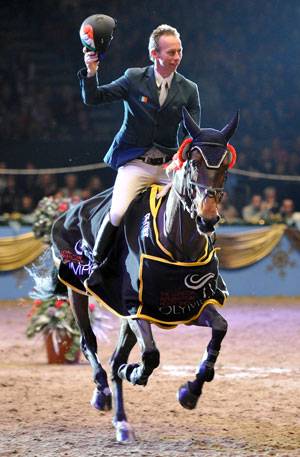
x: 254, y: 212
x: 153, y: 99
x: 288, y: 214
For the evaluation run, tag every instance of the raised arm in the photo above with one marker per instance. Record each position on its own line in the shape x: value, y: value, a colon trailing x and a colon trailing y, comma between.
x: 91, y: 91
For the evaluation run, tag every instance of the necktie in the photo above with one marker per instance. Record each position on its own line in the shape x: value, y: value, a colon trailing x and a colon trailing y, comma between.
x: 163, y: 92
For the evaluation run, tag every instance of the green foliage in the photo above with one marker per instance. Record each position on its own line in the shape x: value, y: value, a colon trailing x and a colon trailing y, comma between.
x: 54, y: 315
x: 46, y: 212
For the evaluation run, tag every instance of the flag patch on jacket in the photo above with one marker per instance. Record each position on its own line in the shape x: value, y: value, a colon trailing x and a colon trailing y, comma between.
x: 144, y: 99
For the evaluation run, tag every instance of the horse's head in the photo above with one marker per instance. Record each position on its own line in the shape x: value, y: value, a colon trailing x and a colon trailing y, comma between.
x: 207, y: 157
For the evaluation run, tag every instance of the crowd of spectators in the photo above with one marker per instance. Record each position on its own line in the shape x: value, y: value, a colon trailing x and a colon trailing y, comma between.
x: 19, y: 195
x: 262, y: 209
x: 239, y: 58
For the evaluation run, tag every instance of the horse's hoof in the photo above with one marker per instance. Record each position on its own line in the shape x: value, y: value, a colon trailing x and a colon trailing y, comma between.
x: 186, y: 398
x: 124, y: 432
x: 102, y: 399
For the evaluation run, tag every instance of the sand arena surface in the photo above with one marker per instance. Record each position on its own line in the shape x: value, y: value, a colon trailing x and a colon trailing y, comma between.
x: 251, y: 408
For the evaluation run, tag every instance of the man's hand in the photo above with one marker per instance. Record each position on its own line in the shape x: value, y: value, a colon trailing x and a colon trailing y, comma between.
x: 91, y: 61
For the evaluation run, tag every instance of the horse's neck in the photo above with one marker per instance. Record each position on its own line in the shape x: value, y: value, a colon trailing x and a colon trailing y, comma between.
x: 178, y: 232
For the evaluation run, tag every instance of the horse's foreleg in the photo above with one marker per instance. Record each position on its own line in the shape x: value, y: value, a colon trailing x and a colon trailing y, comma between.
x: 126, y: 342
x: 189, y: 394
x: 211, y: 318
x: 138, y: 373
x: 101, y: 399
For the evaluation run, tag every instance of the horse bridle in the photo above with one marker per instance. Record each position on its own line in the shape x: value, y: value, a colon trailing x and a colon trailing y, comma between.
x: 209, y: 192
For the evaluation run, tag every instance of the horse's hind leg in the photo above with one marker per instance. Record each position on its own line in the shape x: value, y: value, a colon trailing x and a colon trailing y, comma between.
x: 101, y: 399
x: 189, y: 393
x: 126, y: 342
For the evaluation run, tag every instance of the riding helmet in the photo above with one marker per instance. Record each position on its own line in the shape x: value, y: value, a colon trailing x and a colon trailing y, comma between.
x: 96, y: 32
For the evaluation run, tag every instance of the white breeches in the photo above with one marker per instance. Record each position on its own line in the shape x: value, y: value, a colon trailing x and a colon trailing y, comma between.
x: 131, y: 179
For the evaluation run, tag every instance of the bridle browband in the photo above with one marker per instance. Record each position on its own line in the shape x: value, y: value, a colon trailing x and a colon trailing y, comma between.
x: 204, y: 157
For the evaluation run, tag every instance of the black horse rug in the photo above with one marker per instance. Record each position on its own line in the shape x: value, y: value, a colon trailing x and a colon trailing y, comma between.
x: 141, y: 278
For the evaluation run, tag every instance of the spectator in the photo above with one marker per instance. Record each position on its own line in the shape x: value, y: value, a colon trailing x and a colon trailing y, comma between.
x: 94, y: 185
x: 27, y: 205
x: 71, y: 188
x: 29, y: 183
x: 46, y: 186
x: 10, y: 197
x: 27, y: 208
x: 253, y: 213
x: 228, y: 213
x: 288, y: 215
x: 270, y: 205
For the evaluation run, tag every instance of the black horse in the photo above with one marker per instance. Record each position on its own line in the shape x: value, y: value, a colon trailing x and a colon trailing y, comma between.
x: 163, y: 268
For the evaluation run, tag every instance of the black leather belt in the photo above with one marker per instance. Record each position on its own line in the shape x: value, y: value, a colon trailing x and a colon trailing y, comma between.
x: 156, y: 161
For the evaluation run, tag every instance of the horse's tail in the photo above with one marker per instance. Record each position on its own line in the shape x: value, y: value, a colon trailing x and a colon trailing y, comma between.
x: 45, y: 277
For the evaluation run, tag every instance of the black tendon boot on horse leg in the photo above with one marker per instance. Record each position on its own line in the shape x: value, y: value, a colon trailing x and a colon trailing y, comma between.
x: 189, y: 393
x: 103, y: 244
x: 101, y: 399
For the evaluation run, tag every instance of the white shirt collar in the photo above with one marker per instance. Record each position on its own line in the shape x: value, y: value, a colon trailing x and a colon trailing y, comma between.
x: 159, y: 79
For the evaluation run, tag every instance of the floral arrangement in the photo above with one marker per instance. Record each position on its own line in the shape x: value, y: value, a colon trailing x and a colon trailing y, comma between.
x: 47, y: 210
x: 54, y: 316
x: 51, y: 314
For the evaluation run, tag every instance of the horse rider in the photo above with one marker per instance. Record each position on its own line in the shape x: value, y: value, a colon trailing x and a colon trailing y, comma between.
x: 153, y: 98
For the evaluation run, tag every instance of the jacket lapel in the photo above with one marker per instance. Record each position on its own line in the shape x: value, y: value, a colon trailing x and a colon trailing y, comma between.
x: 172, y: 91
x: 151, y: 84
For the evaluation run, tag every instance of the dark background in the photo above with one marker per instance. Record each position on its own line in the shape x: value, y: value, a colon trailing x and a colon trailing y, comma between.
x: 242, y: 54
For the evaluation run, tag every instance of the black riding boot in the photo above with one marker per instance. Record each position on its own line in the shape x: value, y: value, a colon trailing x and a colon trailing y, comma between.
x: 103, y: 244
x: 104, y: 240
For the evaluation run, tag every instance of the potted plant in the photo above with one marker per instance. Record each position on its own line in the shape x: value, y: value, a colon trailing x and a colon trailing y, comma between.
x: 53, y: 318
x: 51, y: 314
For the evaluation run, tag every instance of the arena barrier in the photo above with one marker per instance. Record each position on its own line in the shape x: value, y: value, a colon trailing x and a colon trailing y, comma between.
x: 254, y: 260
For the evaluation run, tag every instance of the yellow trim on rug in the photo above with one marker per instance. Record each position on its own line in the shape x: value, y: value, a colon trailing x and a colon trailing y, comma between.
x: 155, y: 321
x: 154, y: 207
x: 159, y: 259
x: 105, y: 305
x: 72, y: 287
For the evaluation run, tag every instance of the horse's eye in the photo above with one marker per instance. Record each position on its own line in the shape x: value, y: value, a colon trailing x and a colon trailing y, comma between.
x: 196, y: 166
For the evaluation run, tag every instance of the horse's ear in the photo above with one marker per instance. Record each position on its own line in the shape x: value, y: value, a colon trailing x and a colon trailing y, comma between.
x: 189, y: 123
x: 231, y: 127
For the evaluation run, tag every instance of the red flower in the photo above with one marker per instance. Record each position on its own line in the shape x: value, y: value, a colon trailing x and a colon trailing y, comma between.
x: 38, y: 302
x: 92, y: 306
x: 59, y: 303
x: 62, y: 207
